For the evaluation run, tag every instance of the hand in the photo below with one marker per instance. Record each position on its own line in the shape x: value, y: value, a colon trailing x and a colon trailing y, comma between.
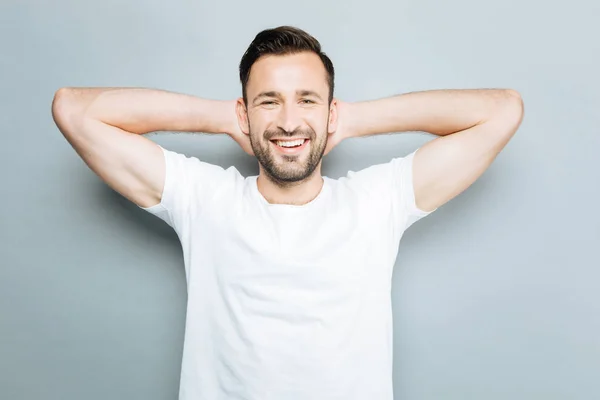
x: 236, y: 132
x: 242, y: 139
x: 344, y: 123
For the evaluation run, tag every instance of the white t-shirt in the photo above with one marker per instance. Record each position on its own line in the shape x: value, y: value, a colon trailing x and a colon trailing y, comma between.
x: 287, y: 302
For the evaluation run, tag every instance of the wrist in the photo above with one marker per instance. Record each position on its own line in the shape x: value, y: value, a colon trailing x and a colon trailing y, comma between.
x: 351, y: 115
x: 221, y: 117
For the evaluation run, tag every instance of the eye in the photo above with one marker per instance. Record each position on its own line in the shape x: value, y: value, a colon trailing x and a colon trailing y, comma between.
x: 268, y: 102
x: 307, y: 101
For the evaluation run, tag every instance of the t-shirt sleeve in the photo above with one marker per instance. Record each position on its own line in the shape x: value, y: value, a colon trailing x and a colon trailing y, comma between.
x: 189, y: 183
x: 404, y: 208
x: 388, y: 191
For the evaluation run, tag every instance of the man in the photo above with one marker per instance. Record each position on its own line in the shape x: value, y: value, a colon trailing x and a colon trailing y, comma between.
x: 288, y: 272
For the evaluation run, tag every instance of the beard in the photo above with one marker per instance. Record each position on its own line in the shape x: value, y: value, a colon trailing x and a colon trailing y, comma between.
x: 287, y: 169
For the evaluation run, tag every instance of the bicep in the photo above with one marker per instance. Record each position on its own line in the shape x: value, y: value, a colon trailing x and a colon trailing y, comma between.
x: 445, y: 167
x: 129, y: 163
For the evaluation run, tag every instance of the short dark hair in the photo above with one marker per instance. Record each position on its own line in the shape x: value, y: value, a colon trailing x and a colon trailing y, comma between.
x: 282, y: 40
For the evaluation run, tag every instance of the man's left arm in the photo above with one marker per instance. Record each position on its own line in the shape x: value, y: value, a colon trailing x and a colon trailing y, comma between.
x: 474, y: 125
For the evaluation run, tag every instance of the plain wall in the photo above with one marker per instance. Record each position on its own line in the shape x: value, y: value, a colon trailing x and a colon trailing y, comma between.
x: 495, y: 295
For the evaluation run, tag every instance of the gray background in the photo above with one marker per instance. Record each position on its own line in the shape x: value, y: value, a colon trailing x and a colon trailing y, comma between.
x: 495, y: 295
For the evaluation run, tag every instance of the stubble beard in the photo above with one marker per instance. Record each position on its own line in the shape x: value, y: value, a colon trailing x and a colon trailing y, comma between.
x: 287, y: 170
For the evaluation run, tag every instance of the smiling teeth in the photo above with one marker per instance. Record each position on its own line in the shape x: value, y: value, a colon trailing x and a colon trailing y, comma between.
x: 290, y: 143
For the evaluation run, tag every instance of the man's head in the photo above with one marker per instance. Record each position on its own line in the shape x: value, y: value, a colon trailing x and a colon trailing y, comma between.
x: 287, y: 87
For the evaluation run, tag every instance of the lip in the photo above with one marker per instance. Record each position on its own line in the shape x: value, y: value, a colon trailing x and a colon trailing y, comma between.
x: 284, y: 139
x: 291, y: 150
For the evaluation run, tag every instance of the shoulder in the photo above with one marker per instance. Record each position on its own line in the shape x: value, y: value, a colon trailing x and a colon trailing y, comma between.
x: 203, y: 180
x: 377, y: 177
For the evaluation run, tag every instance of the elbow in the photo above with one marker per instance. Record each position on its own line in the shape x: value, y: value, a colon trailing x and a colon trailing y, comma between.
x: 512, y: 107
x: 62, y: 105
x: 58, y: 102
x: 61, y: 109
x: 513, y: 112
x: 516, y: 102
x: 520, y: 107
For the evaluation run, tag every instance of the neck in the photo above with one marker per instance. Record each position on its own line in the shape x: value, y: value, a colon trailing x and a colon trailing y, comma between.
x: 294, y: 193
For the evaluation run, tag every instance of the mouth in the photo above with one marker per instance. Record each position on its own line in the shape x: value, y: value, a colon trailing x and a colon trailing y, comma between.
x: 290, y: 146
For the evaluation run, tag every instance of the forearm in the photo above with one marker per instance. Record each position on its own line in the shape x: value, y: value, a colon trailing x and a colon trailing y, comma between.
x: 141, y: 110
x: 440, y: 112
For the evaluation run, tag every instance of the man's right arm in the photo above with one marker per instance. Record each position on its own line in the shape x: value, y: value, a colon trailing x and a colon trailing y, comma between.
x: 105, y: 127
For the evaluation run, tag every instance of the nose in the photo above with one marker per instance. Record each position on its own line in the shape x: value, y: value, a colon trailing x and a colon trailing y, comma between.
x: 289, y: 118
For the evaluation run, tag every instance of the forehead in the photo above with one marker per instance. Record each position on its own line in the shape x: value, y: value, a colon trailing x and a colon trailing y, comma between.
x: 288, y: 73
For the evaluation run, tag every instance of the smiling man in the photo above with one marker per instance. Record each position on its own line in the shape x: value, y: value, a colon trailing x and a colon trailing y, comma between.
x: 287, y: 112
x: 288, y: 126
x: 288, y: 272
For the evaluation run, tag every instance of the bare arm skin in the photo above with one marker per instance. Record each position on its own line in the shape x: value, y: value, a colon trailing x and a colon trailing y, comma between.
x: 473, y: 125
x: 105, y: 127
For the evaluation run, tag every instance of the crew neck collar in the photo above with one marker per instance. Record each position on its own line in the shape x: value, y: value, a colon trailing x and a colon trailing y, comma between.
x: 261, y: 198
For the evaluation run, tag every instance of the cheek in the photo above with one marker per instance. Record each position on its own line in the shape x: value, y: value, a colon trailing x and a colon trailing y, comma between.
x: 258, y: 123
x: 313, y: 120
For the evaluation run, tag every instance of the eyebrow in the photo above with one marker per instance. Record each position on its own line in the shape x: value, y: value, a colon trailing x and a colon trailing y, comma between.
x: 278, y: 95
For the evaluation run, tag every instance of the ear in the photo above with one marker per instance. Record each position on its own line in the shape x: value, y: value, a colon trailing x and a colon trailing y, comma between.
x: 333, y: 117
x: 242, y: 115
